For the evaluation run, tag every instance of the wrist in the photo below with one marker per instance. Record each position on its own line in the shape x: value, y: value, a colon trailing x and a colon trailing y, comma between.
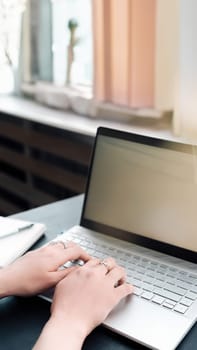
x: 5, y: 287
x: 60, y: 333
x: 74, y: 327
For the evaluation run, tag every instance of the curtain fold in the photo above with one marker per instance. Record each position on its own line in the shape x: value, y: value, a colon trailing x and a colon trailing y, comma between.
x: 124, y: 43
x: 166, y: 53
x: 25, y: 46
x: 185, y: 101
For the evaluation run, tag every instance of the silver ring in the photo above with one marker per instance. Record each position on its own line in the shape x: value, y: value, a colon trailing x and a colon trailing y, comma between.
x: 61, y: 242
x: 103, y: 262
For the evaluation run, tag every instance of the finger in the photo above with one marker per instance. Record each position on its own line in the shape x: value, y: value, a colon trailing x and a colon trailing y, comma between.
x: 123, y: 290
x: 107, y: 264
x: 57, y: 243
x: 60, y: 274
x: 92, y: 263
x: 117, y: 275
x: 62, y: 244
x: 72, y: 253
x: 121, y: 281
x: 61, y: 253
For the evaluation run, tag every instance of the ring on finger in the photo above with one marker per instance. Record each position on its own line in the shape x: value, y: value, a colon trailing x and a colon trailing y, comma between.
x: 64, y: 244
x: 105, y: 263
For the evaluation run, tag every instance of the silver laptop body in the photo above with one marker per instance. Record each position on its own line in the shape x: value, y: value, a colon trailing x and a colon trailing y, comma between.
x: 140, y: 206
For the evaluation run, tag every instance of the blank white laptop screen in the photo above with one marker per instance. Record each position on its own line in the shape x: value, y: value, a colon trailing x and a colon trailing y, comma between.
x: 147, y: 190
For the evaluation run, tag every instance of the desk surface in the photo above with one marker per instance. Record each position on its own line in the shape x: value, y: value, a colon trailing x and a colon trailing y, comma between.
x: 21, y: 319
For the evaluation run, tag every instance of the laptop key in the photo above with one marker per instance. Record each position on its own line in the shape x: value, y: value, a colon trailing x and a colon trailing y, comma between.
x: 167, y: 305
x: 158, y: 299
x: 137, y: 291
x: 161, y: 271
x: 91, y: 245
x: 84, y: 243
x: 159, y: 276
x: 131, y: 267
x: 147, y: 287
x: 167, y: 294
x: 183, y: 285
x: 148, y: 279
x: 150, y: 273
x: 174, y: 289
x: 193, y: 289
x: 137, y: 283
x: 186, y: 301
x: 138, y: 276
x: 147, y: 295
x: 77, y: 240
x: 171, y: 280
x: 159, y: 283
x: 142, y: 264
x: 191, y: 295
x: 140, y: 269
x: 171, y: 302
x: 90, y: 251
x: 173, y: 269
x: 185, y: 279
x: 180, y: 308
x: 99, y: 255
x: 134, y: 282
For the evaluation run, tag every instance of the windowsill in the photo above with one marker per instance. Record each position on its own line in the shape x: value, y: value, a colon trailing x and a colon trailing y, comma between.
x: 68, y: 120
x: 80, y: 101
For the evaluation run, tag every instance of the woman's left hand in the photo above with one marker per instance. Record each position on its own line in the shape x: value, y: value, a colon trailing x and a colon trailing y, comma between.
x: 40, y: 269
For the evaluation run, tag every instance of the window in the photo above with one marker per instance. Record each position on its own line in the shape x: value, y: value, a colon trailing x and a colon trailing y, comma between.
x: 10, y: 19
x: 134, y: 53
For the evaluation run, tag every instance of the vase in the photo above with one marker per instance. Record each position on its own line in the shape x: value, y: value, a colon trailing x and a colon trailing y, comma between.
x: 7, y: 79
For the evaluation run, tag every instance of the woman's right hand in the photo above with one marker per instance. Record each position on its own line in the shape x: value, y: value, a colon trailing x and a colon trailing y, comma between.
x: 82, y: 300
x: 88, y: 294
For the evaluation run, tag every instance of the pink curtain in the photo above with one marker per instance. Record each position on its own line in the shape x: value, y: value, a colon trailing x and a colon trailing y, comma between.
x: 124, y: 51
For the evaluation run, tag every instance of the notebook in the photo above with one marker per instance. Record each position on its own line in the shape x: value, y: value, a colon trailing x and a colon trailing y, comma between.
x: 16, y: 237
x: 140, y: 207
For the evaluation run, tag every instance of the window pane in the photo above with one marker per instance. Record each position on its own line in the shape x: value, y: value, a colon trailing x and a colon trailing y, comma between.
x: 62, y: 12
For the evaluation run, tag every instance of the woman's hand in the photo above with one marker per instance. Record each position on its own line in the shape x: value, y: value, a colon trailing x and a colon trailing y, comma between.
x: 82, y: 301
x: 39, y: 269
x: 88, y: 294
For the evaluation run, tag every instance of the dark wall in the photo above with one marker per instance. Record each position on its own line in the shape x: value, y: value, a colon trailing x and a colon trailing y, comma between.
x: 39, y: 164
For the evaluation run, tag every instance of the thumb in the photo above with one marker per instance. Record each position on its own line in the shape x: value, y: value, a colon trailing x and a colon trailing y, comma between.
x: 60, y: 274
x: 123, y: 290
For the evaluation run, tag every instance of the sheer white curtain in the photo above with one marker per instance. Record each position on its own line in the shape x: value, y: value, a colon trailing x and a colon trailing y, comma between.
x: 185, y: 104
x: 26, y: 52
x: 10, y: 29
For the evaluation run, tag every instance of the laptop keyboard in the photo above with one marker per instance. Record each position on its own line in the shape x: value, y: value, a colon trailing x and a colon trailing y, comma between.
x: 157, y: 282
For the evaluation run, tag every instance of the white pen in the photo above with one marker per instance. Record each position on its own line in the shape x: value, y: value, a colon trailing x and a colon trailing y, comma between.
x: 20, y: 229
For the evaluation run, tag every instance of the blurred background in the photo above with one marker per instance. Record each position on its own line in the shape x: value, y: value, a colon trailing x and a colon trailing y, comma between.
x: 69, y: 66
x: 34, y: 40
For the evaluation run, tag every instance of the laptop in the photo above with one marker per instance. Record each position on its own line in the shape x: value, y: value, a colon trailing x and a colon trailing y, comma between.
x: 140, y: 207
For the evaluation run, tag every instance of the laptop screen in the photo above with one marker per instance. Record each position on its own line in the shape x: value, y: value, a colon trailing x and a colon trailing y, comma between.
x: 146, y: 187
